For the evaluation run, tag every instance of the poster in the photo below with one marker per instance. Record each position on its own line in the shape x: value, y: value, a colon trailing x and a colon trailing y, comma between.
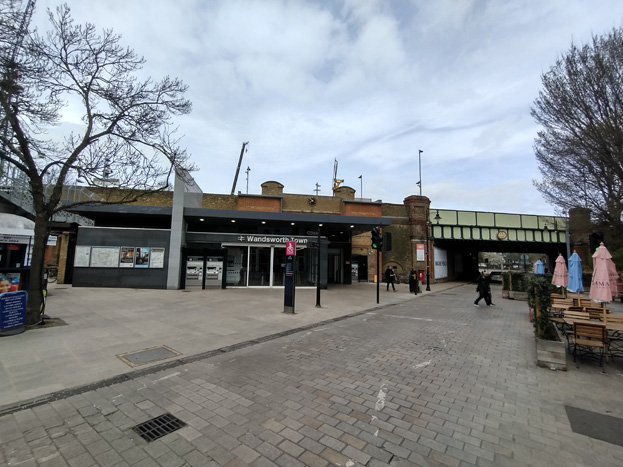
x: 104, y: 256
x: 419, y: 252
x: 9, y: 281
x: 141, y: 259
x: 83, y: 257
x: 126, y: 260
x: 157, y: 258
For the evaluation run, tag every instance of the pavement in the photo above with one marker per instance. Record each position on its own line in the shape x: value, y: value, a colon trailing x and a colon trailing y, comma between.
x: 425, y: 380
x: 91, y: 327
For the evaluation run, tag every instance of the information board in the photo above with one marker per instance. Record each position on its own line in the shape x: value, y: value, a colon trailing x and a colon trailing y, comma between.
x: 83, y: 257
x: 13, y: 310
x: 104, y: 256
x: 157, y: 258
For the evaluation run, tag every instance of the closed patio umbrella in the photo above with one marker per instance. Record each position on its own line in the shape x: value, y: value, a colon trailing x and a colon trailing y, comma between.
x: 575, y: 274
x: 561, y: 276
x: 614, y: 277
x: 600, y: 283
x: 538, y: 268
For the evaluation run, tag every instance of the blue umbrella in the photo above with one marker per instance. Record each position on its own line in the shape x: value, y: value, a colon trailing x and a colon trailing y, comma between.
x: 575, y: 274
x: 539, y: 267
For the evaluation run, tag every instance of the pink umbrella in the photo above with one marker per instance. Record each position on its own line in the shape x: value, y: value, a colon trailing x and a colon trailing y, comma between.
x: 600, y: 283
x: 614, y: 278
x: 561, y: 276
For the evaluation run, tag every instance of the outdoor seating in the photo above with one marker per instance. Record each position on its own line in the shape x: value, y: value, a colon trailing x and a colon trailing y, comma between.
x: 558, y: 305
x: 595, y: 312
x: 569, y: 317
x: 614, y: 326
x: 589, y: 340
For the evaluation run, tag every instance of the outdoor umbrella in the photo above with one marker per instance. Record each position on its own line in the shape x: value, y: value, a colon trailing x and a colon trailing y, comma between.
x: 575, y: 274
x: 614, y: 278
x: 561, y: 277
x: 600, y: 283
x: 539, y: 267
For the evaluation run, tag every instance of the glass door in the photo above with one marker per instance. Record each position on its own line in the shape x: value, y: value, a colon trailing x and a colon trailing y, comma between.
x: 259, y: 266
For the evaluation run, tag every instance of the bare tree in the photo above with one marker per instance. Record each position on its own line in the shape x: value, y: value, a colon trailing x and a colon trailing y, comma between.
x: 125, y: 133
x: 580, y: 147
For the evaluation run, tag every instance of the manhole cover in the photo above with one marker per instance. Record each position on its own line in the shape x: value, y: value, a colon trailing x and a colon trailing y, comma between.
x: 154, y: 354
x: 157, y: 427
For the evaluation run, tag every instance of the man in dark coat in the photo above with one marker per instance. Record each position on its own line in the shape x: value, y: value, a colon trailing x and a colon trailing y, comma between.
x: 484, y: 289
x: 389, y: 278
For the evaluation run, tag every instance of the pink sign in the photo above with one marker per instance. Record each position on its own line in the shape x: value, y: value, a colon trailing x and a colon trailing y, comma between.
x: 290, y: 248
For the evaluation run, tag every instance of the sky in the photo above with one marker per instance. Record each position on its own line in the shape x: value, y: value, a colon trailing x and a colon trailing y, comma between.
x: 365, y: 83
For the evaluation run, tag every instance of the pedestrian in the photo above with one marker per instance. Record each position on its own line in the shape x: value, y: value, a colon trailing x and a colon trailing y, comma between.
x: 389, y: 278
x: 413, y: 282
x: 484, y: 289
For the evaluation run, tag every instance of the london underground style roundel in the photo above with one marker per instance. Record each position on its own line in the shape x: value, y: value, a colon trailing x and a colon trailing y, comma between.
x: 502, y: 235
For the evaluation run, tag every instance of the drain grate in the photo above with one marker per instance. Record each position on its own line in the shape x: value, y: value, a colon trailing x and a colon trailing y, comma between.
x: 157, y: 427
x: 142, y: 357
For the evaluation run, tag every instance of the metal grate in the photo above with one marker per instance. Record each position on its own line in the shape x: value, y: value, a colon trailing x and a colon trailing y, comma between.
x: 157, y: 427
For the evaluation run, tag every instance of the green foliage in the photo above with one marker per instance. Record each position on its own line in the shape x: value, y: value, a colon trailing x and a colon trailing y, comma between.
x: 617, y: 257
x: 540, y: 288
x: 514, y: 280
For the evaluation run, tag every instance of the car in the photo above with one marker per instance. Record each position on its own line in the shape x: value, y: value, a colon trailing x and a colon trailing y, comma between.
x: 495, y: 276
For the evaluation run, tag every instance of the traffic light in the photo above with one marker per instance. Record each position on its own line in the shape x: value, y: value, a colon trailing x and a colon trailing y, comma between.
x: 377, y: 238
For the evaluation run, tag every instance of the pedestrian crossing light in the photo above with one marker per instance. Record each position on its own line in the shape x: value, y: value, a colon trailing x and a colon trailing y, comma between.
x: 377, y: 238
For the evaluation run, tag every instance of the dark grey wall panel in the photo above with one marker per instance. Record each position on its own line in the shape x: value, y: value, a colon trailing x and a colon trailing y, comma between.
x: 140, y: 278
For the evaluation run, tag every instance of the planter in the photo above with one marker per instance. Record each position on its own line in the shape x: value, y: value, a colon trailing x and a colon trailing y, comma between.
x: 516, y: 295
x: 551, y: 354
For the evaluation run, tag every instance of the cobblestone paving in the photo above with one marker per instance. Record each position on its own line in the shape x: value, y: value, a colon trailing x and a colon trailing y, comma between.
x: 431, y: 382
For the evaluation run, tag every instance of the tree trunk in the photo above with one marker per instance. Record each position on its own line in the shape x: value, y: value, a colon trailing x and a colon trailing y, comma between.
x: 35, y: 288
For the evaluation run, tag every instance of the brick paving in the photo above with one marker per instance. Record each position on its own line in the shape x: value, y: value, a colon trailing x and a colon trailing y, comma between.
x: 427, y: 382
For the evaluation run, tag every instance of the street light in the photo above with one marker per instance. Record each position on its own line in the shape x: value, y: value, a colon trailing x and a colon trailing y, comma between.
x: 427, y: 255
x: 419, y: 183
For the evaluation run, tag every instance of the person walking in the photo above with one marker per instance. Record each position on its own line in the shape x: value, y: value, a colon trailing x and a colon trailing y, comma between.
x: 389, y: 278
x: 483, y: 288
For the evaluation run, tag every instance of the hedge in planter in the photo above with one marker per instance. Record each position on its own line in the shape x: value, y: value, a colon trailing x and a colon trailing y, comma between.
x: 540, y: 288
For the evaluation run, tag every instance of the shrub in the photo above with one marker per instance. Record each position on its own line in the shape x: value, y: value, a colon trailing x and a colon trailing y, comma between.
x: 540, y: 288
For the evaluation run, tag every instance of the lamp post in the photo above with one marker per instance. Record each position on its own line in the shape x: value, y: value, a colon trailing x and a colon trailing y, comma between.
x: 420, y: 167
x: 428, y: 224
x: 318, y: 272
x: 427, y: 255
x: 361, y: 189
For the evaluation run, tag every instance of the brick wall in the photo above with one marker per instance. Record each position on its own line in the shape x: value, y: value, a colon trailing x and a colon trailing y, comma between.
x: 323, y: 204
x: 362, y: 209
x: 259, y: 203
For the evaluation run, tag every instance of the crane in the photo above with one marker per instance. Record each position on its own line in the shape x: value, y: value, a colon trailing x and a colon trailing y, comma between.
x: 233, y: 188
x: 336, y: 182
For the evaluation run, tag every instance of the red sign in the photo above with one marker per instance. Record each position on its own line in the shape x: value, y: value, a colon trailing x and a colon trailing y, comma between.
x: 290, y: 248
x: 12, y: 247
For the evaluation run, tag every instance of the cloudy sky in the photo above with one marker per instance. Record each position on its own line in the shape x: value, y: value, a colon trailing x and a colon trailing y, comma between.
x: 367, y: 83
